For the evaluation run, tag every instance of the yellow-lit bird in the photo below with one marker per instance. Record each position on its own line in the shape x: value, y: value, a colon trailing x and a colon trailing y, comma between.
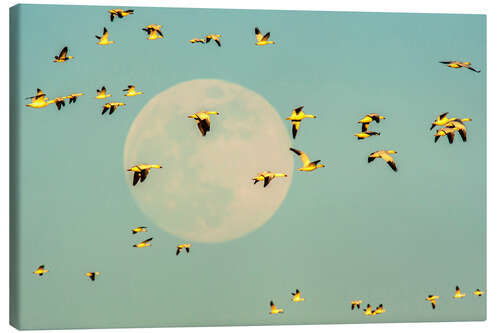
x: 40, y: 100
x: 386, y: 156
x: 63, y: 55
x: 111, y: 107
x: 262, y: 39
x: 274, y: 309
x: 441, y: 120
x: 141, y: 171
x: 478, y: 292
x: 307, y: 165
x: 139, y: 229
x: 132, y: 92
x: 356, y: 304
x: 153, y: 31
x: 368, y: 311
x: 459, y: 64
x: 72, y: 98
x: 145, y: 243
x: 92, y: 275
x: 459, y: 126
x: 366, y: 134
x: 448, y: 131
x: 101, y: 94
x: 197, y: 40
x: 296, y: 296
x: 180, y: 247
x: 104, y: 39
x: 366, y: 120
x: 380, y: 309
x: 458, y: 293
x: 119, y: 12
x: 267, y: 176
x: 432, y: 299
x: 40, y: 270
x: 203, y: 120
x: 59, y: 102
x: 215, y: 37
x: 296, y: 117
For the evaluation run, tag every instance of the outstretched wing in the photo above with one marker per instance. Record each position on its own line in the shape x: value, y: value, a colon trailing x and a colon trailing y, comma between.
x: 258, y: 34
x: 305, y: 159
x: 295, y: 127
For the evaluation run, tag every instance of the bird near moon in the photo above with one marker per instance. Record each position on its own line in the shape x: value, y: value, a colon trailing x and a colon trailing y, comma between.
x: 205, y: 192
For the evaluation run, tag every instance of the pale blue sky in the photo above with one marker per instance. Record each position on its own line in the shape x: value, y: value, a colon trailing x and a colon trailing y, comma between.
x: 363, y: 232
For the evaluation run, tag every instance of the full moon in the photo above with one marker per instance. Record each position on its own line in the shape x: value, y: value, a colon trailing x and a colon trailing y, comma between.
x: 205, y: 191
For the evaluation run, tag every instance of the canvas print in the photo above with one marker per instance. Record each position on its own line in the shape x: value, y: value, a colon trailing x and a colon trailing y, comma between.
x: 209, y: 167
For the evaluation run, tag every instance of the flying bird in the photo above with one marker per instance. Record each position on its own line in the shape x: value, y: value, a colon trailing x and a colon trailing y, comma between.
x: 40, y: 100
x: 432, y: 299
x: 458, y: 293
x: 139, y: 229
x: 366, y: 134
x: 296, y: 296
x: 40, y: 270
x: 356, y: 304
x: 307, y: 165
x: 215, y: 37
x: 448, y: 131
x: 262, y: 40
x: 267, y: 176
x: 380, y: 309
x: 203, y: 120
x: 103, y: 40
x: 197, y: 40
x: 72, y: 98
x: 274, y: 309
x: 181, y: 247
x: 111, y: 107
x: 153, y: 31
x: 132, y: 92
x: 459, y: 64
x: 366, y: 120
x: 459, y: 126
x: 386, y: 156
x: 441, y: 120
x: 478, y: 292
x: 368, y: 311
x: 92, y: 275
x: 141, y: 171
x: 101, y: 94
x: 145, y: 243
x: 120, y: 13
x: 63, y: 55
x: 296, y: 117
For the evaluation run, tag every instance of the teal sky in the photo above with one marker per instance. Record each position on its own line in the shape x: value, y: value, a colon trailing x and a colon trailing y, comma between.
x: 351, y: 230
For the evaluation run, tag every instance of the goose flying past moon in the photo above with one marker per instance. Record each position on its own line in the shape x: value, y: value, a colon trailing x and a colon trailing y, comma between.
x: 296, y: 117
x: 203, y: 120
x: 141, y: 171
x: 266, y: 177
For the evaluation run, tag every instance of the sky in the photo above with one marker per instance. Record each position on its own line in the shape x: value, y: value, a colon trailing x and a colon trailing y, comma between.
x: 351, y: 230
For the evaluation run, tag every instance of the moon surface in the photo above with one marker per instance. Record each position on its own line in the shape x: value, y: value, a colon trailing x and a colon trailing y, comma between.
x: 205, y: 192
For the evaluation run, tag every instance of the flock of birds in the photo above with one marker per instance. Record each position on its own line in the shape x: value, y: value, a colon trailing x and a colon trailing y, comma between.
x: 448, y: 127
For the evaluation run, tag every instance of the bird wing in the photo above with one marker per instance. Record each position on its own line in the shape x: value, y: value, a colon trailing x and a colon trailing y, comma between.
x: 451, y: 136
x: 105, y: 35
x: 137, y: 176
x: 217, y: 41
x: 266, y: 37
x: 364, y: 127
x: 447, y: 62
x: 390, y: 160
x: 63, y: 53
x: 297, y: 111
x: 303, y: 156
x: 267, y: 180
x: 144, y: 174
x: 258, y: 34
x: 295, y: 127
x: 441, y: 116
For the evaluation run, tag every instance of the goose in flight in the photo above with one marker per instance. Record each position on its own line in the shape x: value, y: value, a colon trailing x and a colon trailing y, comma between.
x: 132, y: 92
x: 274, y: 309
x: 181, y: 247
x: 459, y: 64
x: 458, y: 293
x: 386, y: 156
x: 40, y: 270
x: 153, y: 31
x: 448, y: 131
x: 120, y: 13
x: 103, y: 40
x: 111, y: 107
x: 432, y: 299
x: 101, y: 94
x: 356, y: 304
x: 59, y: 102
x: 368, y: 311
x: 92, y: 275
x: 139, y: 229
x: 307, y: 165
x: 478, y: 292
x: 366, y: 134
x: 203, y: 120
x: 197, y: 40
x: 145, y: 243
x: 296, y: 117
x: 296, y: 296
x: 441, y: 120
x: 267, y: 176
x: 72, y: 98
x: 141, y: 171
x: 215, y: 37
x: 380, y: 309
x: 459, y: 126
x: 366, y: 120
x: 262, y: 40
x: 63, y: 55
x: 40, y: 100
